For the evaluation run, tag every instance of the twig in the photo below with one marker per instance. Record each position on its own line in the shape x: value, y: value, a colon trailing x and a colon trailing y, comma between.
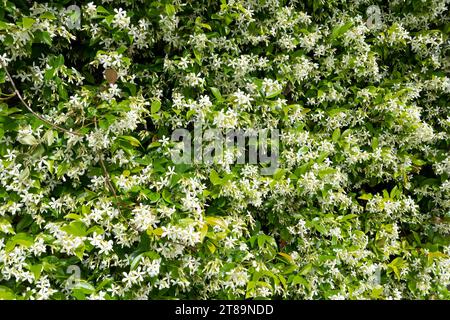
x: 110, y: 185
x: 37, y: 115
x: 105, y: 171
x: 108, y: 177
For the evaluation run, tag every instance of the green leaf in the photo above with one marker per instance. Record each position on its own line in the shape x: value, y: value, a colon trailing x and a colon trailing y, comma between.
x: 2, y: 76
x: 48, y: 15
x: 396, y: 265
x: 374, y: 143
x: 211, y: 246
x: 49, y: 74
x: 348, y: 217
x: 214, y: 178
x: 418, y: 162
x: 326, y: 171
x: 102, y: 10
x: 336, y: 135
x: 299, y: 280
x: 43, y: 37
x: 273, y: 94
x: 27, y: 23
x: 76, y: 228
x: 62, y: 169
x: 154, y: 196
x: 25, y: 222
x: 49, y: 137
x: 261, y: 240
x: 206, y: 26
x: 36, y: 270
x: 73, y: 216
x: 366, y: 196
x: 135, y: 262
x: 96, y: 229
x: 279, y: 173
x: 132, y: 140
x: 6, y: 293
x: 320, y: 228
x: 157, y: 232
x: 198, y: 56
x: 376, y: 292
x: 22, y: 239
x: 62, y: 91
x: 28, y: 139
x: 84, y: 287
x: 156, y: 105
x: 167, y: 196
x: 3, y: 25
x: 306, y: 269
x: 170, y: 9
x: 5, y: 226
x: 79, y: 252
x: 216, y: 94
x: 339, y: 31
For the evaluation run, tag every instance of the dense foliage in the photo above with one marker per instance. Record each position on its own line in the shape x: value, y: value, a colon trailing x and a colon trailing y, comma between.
x: 93, y: 207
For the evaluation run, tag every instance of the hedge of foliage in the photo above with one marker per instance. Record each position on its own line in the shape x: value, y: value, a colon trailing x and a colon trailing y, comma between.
x: 93, y: 207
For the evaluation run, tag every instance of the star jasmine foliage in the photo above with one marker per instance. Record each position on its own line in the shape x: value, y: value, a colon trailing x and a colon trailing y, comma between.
x: 92, y: 206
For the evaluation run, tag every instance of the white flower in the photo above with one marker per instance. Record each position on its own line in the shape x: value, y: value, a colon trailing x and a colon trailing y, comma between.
x: 144, y: 217
x: 121, y: 20
x: 91, y: 9
x: 4, y: 60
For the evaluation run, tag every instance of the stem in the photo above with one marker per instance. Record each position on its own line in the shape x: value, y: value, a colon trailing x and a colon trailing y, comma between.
x: 37, y: 115
x: 108, y: 182
x: 105, y: 171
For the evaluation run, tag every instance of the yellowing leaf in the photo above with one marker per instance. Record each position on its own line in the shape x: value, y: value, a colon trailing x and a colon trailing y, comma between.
x: 211, y: 246
x: 286, y: 256
x: 216, y: 221
x: 132, y: 140
x: 203, y: 232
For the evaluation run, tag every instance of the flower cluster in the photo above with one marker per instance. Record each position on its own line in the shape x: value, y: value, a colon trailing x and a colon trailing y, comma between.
x: 358, y: 208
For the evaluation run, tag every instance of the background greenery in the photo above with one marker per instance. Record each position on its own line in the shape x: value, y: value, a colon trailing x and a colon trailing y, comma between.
x: 358, y: 209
